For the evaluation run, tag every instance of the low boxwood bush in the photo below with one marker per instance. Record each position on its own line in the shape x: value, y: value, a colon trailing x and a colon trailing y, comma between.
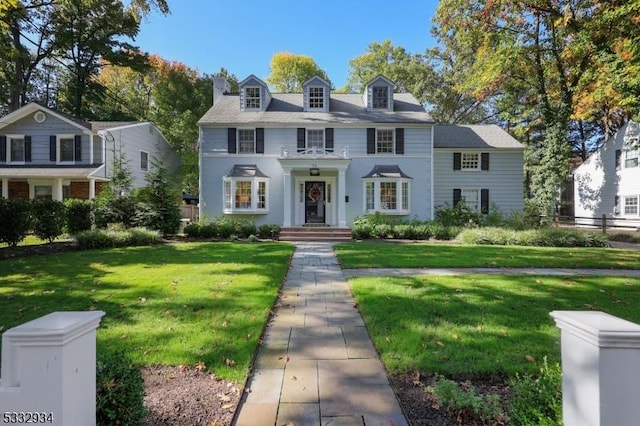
x: 537, y: 400
x: 465, y: 404
x: 268, y: 231
x: 543, y: 237
x: 119, y: 390
x: 100, y: 238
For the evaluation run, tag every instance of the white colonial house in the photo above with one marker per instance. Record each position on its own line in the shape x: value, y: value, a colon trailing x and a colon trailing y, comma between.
x: 326, y: 158
x: 46, y: 154
x: 608, y: 182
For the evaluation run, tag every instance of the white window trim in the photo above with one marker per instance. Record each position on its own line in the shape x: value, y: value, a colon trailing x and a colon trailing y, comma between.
x: 238, y: 140
x: 324, y: 137
x: 378, y: 208
x: 624, y: 205
x: 320, y: 108
x: 478, y: 191
x: 59, y: 148
x: 470, y: 169
x: 246, y: 98
x: 10, y: 139
x: 393, y: 142
x: 636, y: 157
x: 373, y: 97
x: 231, y: 182
x: 148, y: 161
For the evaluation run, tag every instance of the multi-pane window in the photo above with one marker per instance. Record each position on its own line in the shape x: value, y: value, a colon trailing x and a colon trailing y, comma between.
x: 243, y: 195
x: 262, y: 195
x: 67, y: 148
x: 370, y: 203
x: 144, y: 161
x: 246, y: 141
x: 252, y: 98
x: 389, y: 196
x: 315, y: 138
x: 631, y: 158
x: 316, y: 97
x: 384, y: 141
x: 43, y: 191
x: 470, y: 161
x: 380, y: 97
x: 631, y: 205
x: 471, y: 198
x: 17, y: 149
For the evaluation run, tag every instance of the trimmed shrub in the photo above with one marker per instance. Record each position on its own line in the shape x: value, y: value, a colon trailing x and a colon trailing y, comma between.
x: 15, y: 220
x: 100, y: 238
x: 49, y: 218
x: 439, y: 231
x: 537, y: 400
x: 119, y: 390
x: 533, y: 237
x: 78, y: 215
x: 268, y: 231
x: 458, y: 215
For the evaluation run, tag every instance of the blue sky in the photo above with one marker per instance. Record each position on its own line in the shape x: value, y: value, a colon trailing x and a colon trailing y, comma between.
x: 242, y: 35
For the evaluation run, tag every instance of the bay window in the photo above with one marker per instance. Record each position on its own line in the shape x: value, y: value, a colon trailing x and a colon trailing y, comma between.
x: 389, y: 196
x: 245, y: 190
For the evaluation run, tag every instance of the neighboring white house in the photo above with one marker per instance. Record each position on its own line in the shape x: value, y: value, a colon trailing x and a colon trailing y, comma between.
x: 46, y: 154
x: 325, y: 158
x: 608, y: 182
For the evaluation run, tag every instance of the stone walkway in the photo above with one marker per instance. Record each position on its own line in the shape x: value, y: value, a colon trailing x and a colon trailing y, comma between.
x: 317, y: 365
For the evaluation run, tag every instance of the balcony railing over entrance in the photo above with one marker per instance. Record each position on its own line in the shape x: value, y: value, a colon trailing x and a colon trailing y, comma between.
x: 314, y: 152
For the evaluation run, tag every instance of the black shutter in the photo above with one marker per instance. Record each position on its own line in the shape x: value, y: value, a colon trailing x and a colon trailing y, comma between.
x: 302, y: 133
x: 457, y: 195
x: 371, y: 140
x: 457, y: 161
x: 260, y: 140
x: 231, y: 140
x: 400, y: 141
x: 618, y: 156
x: 52, y: 148
x: 616, y: 204
x: 27, y: 149
x: 484, y: 161
x: 484, y: 201
x: 77, y: 146
x: 328, y: 139
x: 3, y: 148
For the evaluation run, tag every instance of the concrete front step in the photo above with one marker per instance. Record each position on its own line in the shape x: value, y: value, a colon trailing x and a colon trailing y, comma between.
x: 315, y: 234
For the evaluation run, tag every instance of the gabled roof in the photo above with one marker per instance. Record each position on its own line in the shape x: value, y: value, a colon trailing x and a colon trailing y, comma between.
x: 380, y: 77
x: 287, y: 109
x: 320, y: 80
x: 475, y: 136
x: 33, y: 107
x: 98, y: 126
x: 252, y: 77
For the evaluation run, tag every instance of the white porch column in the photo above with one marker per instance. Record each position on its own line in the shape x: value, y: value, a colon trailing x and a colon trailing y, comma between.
x: 92, y: 188
x: 287, y: 198
x: 342, y: 202
x: 5, y: 188
x: 56, y: 190
x: 600, y: 376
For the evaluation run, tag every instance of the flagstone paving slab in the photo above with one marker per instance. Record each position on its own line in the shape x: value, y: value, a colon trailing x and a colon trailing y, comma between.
x: 298, y: 414
x: 300, y: 382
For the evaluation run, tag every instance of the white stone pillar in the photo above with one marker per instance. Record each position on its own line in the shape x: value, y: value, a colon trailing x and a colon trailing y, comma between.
x: 600, y: 369
x: 56, y: 190
x: 5, y: 188
x: 287, y: 198
x: 92, y: 188
x: 342, y: 202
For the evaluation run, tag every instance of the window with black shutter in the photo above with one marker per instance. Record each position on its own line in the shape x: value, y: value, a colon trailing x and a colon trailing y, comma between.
x: 301, y: 139
x: 53, y: 141
x: 3, y: 149
x: 457, y: 161
x: 484, y: 161
x: 484, y: 201
x: 328, y: 139
x: 27, y: 149
x: 371, y: 141
x: 457, y: 195
x: 260, y: 140
x: 77, y: 145
x: 400, y: 141
x: 618, y: 157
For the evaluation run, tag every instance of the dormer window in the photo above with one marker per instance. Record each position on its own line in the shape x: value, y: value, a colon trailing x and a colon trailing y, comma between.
x: 380, y: 97
x: 316, y: 97
x: 252, y: 98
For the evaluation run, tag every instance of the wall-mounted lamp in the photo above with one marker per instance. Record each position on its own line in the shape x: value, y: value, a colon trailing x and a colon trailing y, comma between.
x: 314, y: 171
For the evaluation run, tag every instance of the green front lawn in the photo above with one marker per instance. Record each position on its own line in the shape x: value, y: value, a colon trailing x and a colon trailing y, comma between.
x: 480, y: 325
x: 430, y: 255
x: 168, y: 304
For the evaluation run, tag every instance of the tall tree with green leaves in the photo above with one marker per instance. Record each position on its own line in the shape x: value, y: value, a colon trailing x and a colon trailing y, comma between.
x: 289, y: 71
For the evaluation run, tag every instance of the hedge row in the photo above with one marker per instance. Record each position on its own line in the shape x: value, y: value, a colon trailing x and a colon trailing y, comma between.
x: 543, y: 237
x: 231, y: 228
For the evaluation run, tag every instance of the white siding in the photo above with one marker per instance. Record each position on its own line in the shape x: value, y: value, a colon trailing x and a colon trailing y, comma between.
x: 597, y: 182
